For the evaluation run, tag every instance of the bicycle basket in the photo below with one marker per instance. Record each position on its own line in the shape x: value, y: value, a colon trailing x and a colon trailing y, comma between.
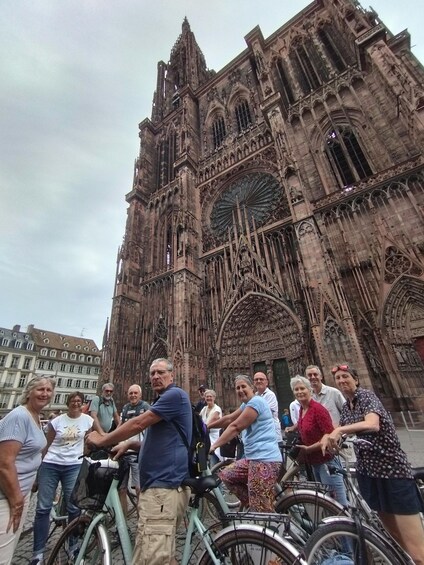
x: 92, y: 485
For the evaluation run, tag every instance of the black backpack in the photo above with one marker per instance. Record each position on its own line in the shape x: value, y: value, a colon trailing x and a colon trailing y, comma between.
x: 198, y: 450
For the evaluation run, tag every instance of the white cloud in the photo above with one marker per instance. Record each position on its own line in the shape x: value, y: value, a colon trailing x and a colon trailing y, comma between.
x: 77, y: 78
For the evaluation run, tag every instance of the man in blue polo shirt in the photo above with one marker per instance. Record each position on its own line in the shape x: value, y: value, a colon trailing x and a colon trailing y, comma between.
x: 163, y: 465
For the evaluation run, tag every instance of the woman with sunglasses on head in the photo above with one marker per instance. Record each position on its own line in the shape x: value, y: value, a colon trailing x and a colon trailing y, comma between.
x: 382, y: 469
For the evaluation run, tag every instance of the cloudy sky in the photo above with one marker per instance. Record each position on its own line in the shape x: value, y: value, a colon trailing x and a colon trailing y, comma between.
x: 77, y: 76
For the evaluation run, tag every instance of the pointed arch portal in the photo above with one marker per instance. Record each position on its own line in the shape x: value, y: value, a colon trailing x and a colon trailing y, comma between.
x: 260, y: 332
x: 403, y: 324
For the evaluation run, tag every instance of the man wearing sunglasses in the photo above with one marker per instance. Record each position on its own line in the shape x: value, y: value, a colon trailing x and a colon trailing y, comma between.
x: 328, y: 396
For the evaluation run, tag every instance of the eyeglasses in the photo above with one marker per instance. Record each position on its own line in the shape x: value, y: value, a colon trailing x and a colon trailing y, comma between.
x: 108, y: 391
x: 340, y: 368
x: 159, y: 372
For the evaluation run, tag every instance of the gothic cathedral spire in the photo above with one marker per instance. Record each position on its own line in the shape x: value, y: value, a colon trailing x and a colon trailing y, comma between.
x: 186, y: 67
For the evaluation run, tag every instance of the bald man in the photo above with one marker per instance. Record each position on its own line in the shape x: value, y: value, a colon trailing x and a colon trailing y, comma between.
x: 134, y: 407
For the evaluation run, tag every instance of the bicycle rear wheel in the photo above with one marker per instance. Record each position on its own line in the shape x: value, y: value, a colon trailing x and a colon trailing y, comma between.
x: 339, y: 542
x: 68, y: 545
x: 245, y: 547
x: 307, y: 510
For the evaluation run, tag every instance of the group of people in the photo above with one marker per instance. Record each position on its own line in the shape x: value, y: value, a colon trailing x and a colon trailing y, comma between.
x: 38, y: 458
x: 161, y: 433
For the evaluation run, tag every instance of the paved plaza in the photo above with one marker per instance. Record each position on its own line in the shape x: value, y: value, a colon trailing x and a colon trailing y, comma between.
x: 412, y: 442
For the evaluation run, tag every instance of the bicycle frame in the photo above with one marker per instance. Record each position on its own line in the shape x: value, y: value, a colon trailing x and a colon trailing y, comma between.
x: 112, y: 502
x: 196, y: 524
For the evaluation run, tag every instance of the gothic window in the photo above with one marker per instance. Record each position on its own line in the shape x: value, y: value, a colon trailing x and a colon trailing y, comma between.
x: 218, y: 132
x: 285, y: 87
x: 243, y: 116
x: 346, y: 157
x: 168, y: 250
x: 256, y: 194
x: 309, y: 66
x: 332, y: 49
x: 166, y: 154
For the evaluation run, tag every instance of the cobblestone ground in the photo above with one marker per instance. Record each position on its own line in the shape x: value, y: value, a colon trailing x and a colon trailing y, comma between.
x: 23, y: 552
x: 412, y: 442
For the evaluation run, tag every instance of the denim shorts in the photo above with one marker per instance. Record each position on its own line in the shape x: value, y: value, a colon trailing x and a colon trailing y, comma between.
x: 394, y: 496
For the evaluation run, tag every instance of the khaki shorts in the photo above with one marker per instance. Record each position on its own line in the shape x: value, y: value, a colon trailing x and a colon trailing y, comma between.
x: 160, y: 512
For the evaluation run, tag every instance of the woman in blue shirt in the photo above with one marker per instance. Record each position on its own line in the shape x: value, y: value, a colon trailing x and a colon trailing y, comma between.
x: 252, y: 478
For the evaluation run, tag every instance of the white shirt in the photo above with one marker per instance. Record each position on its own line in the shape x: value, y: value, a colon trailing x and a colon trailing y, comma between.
x: 294, y: 411
x: 206, y: 416
x: 68, y: 443
x: 332, y: 399
x: 272, y: 401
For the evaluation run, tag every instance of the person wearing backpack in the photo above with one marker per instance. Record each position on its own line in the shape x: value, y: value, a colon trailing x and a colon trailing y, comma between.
x: 163, y: 464
x: 103, y: 410
x: 134, y: 407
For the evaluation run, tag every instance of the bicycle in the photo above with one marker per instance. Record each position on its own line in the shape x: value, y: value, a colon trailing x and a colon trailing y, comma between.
x: 86, y: 540
x: 307, y: 503
x: 290, y: 470
x: 360, y: 538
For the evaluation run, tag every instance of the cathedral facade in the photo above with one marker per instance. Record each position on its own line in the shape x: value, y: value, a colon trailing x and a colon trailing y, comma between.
x: 276, y: 214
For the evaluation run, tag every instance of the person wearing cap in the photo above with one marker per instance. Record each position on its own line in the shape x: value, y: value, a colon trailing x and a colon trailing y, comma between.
x: 383, y: 471
x: 202, y: 402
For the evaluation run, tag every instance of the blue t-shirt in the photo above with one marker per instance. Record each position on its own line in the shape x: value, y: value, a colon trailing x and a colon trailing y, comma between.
x: 259, y: 439
x: 163, y: 456
x: 20, y: 426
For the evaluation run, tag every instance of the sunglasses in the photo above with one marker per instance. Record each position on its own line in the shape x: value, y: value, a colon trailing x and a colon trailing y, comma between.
x: 340, y: 368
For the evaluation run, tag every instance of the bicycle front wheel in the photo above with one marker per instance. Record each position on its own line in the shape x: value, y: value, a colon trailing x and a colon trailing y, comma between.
x: 341, y: 543
x: 244, y: 547
x: 67, y: 548
x: 307, y: 510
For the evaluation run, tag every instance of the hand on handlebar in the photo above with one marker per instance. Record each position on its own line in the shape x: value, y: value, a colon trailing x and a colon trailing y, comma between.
x: 118, y: 450
x: 330, y: 443
x: 93, y: 440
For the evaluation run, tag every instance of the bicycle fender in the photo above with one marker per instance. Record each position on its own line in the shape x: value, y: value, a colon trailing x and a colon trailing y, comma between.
x: 339, y: 519
x: 265, y: 532
x: 316, y: 494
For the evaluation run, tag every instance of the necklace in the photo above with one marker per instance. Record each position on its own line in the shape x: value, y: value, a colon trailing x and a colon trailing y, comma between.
x: 35, y: 416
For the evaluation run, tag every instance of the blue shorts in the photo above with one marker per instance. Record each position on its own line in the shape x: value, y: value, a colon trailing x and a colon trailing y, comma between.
x: 394, y: 496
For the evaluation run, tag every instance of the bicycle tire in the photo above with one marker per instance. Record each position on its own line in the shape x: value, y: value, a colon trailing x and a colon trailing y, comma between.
x: 341, y: 540
x: 66, y: 549
x: 246, y: 547
x: 306, y: 510
x: 232, y: 501
x: 209, y: 504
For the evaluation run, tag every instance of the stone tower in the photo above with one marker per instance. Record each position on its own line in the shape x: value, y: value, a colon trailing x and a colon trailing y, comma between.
x: 276, y: 213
